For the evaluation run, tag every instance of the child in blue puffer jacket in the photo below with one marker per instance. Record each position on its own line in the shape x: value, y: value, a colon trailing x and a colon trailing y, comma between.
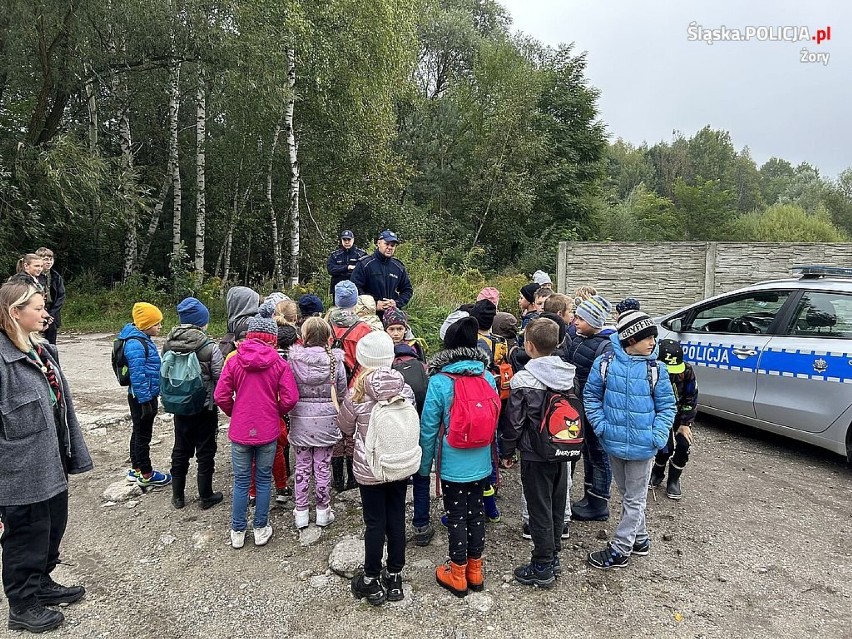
x: 631, y: 407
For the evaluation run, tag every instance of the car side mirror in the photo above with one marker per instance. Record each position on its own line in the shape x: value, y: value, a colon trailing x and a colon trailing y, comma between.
x: 675, y: 324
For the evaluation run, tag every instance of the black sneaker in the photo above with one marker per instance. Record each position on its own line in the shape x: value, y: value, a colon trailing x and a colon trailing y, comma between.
x: 565, y: 532
x: 423, y: 535
x: 642, y: 548
x: 607, y: 558
x: 556, y: 566
x: 535, y: 575
x: 373, y: 591
x: 35, y: 618
x: 53, y: 594
x: 525, y: 532
x: 392, y: 581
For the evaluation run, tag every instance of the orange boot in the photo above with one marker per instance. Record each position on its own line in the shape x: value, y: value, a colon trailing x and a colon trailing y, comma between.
x: 452, y: 577
x: 475, y: 578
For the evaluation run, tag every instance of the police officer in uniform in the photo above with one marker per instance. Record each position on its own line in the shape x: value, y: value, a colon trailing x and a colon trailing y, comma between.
x: 383, y: 276
x: 342, y: 262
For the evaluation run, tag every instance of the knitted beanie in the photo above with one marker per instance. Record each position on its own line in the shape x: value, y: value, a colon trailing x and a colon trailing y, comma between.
x: 489, y: 293
x: 483, y: 312
x: 345, y: 294
x: 375, y: 349
x: 192, y: 311
x: 146, y: 315
x: 452, y: 318
x: 594, y: 310
x: 634, y: 326
x: 462, y: 334
x: 267, y: 309
x: 394, y: 317
x: 528, y: 291
x: 627, y: 304
x: 264, y: 329
x: 275, y: 297
x: 310, y: 305
x: 542, y: 279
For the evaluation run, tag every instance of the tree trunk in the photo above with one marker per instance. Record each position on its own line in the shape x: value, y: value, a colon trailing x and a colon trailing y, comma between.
x: 174, y: 160
x: 92, y: 104
x: 277, y: 259
x: 293, y: 150
x: 155, y: 218
x: 200, y: 159
x: 126, y: 141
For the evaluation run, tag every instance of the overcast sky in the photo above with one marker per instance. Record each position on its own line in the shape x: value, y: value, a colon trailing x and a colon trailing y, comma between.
x: 653, y: 80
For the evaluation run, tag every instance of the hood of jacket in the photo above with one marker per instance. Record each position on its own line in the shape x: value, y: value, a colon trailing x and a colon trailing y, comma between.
x: 401, y: 350
x: 384, y: 384
x: 241, y: 302
x: 552, y: 371
x: 130, y: 330
x: 310, y: 364
x: 344, y: 317
x: 186, y: 338
x: 622, y: 354
x: 255, y: 355
x: 471, y: 361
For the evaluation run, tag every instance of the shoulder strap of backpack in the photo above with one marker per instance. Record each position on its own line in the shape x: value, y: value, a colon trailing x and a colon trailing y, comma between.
x: 141, y: 340
x: 600, y: 348
x: 343, y: 337
x: 653, y: 374
x: 605, y: 361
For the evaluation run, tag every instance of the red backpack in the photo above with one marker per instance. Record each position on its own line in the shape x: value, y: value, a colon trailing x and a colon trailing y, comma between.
x: 473, y: 414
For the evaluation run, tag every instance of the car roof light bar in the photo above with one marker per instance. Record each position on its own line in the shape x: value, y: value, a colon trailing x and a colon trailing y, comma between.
x: 818, y: 270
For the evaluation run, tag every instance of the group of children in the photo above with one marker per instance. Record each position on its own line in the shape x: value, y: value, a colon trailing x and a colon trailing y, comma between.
x: 354, y: 395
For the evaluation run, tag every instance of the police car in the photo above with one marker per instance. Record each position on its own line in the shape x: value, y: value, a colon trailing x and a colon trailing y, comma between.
x: 776, y: 355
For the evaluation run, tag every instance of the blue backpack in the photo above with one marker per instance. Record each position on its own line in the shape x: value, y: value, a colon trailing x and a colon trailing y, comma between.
x: 182, y: 388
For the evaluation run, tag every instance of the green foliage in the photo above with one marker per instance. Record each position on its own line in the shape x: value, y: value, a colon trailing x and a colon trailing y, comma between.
x: 788, y: 223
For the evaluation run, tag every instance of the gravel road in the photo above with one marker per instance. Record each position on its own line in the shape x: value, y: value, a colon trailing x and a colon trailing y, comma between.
x: 760, y: 546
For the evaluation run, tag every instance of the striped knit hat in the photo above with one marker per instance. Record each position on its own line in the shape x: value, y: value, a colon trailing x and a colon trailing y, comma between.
x: 263, y: 328
x: 594, y: 310
x: 634, y: 326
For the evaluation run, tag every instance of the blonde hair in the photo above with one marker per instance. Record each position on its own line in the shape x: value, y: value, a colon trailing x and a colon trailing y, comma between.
x: 359, y: 388
x: 26, y: 260
x: 43, y: 251
x: 584, y: 293
x: 286, y: 312
x: 317, y: 332
x: 17, y: 294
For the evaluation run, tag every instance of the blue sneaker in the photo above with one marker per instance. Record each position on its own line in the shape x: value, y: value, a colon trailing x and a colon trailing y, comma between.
x: 133, y: 476
x: 607, y: 558
x: 155, y: 479
x: 445, y: 518
x: 540, y: 575
x: 642, y: 548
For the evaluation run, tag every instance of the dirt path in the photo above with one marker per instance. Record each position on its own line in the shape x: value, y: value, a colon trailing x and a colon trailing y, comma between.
x: 760, y: 546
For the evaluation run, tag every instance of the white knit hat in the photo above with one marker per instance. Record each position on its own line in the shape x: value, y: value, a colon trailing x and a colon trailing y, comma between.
x: 374, y: 350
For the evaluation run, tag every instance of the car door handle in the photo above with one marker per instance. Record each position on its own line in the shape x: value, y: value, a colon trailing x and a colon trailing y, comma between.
x: 744, y: 352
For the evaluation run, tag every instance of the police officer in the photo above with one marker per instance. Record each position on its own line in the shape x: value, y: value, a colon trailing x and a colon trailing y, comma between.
x: 383, y: 276
x: 341, y: 262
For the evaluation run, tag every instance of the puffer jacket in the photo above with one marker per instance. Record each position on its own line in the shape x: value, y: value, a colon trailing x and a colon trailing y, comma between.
x: 144, y: 371
x: 630, y: 422
x: 582, y: 352
x: 354, y: 419
x: 256, y: 390
x: 187, y: 338
x: 527, y: 403
x: 313, y: 421
x: 457, y: 464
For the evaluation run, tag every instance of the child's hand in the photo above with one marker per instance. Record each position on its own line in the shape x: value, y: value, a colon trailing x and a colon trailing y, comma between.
x: 686, y: 431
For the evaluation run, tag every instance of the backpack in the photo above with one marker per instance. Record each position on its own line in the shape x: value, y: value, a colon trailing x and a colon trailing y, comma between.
x: 119, y: 359
x: 499, y: 365
x: 560, y: 434
x: 473, y: 414
x: 413, y: 373
x: 653, y: 370
x: 181, y: 385
x: 392, y: 444
x: 338, y: 342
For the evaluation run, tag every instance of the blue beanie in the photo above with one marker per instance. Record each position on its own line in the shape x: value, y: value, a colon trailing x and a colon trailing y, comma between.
x: 310, y: 305
x: 345, y: 294
x: 191, y: 311
x: 627, y: 304
x: 594, y: 310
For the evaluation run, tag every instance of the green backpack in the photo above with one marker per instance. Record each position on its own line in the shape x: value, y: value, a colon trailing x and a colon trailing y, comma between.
x: 182, y: 388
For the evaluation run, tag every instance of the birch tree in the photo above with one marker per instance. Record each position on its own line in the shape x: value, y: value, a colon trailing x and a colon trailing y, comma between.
x: 174, y: 159
x: 278, y: 262
x: 293, y: 155
x: 200, y: 177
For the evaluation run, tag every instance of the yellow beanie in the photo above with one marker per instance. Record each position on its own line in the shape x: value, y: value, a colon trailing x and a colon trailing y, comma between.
x: 146, y: 315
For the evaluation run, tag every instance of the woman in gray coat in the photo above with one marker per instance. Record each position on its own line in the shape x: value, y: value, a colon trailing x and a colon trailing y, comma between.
x: 40, y: 445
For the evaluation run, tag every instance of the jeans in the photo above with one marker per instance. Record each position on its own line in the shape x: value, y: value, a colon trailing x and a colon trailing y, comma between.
x: 677, y: 449
x: 242, y: 457
x: 597, y: 475
x: 383, y: 508
x: 465, y: 519
x: 140, y: 437
x: 631, y: 477
x: 195, y: 435
x: 420, y: 490
x: 546, y: 492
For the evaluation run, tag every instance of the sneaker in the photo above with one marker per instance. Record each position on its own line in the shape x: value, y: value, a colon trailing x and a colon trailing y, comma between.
x: 252, y: 502
x: 525, y: 531
x: 607, y: 558
x: 238, y: 538
x: 423, y: 535
x: 373, y: 591
x: 262, y: 535
x: 445, y: 518
x: 280, y: 497
x: 642, y: 548
x: 133, y: 476
x: 556, y: 566
x: 392, y: 581
x: 156, y: 478
x: 286, y: 492
x: 535, y: 575
x: 565, y: 532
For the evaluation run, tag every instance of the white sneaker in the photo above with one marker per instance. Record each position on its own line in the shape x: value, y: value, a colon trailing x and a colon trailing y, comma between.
x: 238, y: 538
x: 302, y: 518
x: 324, y: 517
x: 262, y: 535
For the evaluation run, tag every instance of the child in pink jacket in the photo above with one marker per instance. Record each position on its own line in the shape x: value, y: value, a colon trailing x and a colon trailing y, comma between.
x: 256, y: 390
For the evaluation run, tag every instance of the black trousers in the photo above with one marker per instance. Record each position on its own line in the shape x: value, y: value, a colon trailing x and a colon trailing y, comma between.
x: 384, y: 518
x: 30, y: 540
x: 50, y: 333
x: 546, y: 491
x: 465, y: 519
x: 140, y: 438
x: 195, y: 435
x: 677, y: 449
